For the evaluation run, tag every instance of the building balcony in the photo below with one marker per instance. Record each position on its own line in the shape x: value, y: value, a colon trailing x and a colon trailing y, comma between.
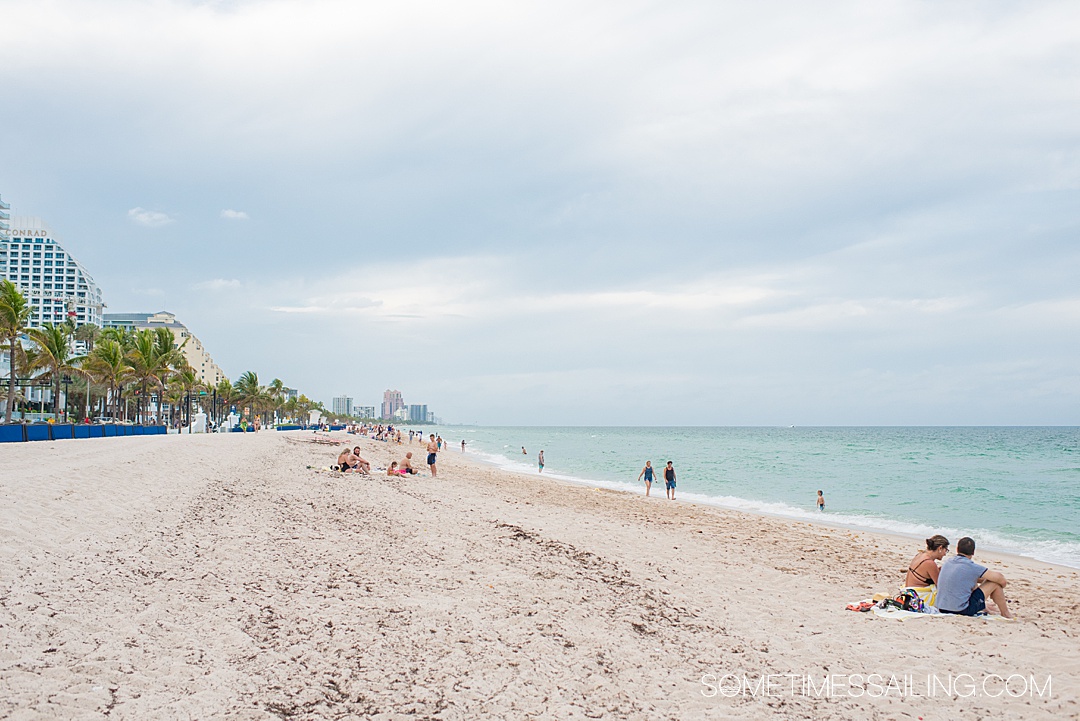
x: 4, y: 206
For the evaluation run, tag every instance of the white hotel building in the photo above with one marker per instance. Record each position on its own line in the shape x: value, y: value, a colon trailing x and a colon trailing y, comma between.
x: 56, y: 285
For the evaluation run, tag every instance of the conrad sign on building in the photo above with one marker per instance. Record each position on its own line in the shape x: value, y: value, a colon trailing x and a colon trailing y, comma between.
x: 56, y: 284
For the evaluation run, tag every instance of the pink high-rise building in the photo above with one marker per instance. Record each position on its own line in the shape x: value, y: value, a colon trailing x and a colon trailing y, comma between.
x: 391, y: 403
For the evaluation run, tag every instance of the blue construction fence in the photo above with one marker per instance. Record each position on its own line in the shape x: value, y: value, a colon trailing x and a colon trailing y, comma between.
x: 20, y: 432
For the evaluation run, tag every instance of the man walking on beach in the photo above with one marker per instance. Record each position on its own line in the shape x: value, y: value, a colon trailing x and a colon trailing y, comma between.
x: 432, y: 450
x: 963, y: 585
x: 669, y: 481
x: 540, y: 461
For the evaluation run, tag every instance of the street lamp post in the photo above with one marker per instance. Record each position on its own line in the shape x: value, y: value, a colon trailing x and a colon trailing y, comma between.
x: 67, y: 382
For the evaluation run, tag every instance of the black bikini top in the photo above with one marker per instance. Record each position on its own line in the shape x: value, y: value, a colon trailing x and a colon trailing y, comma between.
x: 919, y: 577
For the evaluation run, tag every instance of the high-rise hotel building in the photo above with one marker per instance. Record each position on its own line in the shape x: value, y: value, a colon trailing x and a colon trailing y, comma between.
x: 4, y: 218
x: 392, y: 402
x: 56, y: 285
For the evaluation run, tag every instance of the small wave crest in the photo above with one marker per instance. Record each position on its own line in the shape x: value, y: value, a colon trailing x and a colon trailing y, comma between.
x: 1065, y: 553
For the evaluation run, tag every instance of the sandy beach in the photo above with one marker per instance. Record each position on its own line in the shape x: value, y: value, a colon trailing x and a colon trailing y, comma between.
x: 196, y: 577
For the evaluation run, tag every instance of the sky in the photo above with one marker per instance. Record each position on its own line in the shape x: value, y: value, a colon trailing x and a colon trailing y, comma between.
x: 577, y: 213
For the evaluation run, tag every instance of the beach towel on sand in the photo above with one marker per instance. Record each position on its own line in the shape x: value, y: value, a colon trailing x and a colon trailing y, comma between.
x: 927, y: 593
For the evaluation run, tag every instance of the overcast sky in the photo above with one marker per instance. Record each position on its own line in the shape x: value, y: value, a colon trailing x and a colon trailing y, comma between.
x: 577, y: 213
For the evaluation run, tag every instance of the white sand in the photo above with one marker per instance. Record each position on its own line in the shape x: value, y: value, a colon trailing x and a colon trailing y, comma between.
x: 217, y: 577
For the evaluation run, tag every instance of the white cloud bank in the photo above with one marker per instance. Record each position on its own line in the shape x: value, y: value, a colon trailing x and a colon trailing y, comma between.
x: 149, y: 218
x: 229, y: 214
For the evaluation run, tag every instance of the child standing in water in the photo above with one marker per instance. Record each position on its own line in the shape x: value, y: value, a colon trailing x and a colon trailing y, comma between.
x: 820, y: 501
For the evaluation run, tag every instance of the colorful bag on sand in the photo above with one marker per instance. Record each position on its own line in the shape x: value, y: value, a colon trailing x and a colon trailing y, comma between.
x: 908, y: 600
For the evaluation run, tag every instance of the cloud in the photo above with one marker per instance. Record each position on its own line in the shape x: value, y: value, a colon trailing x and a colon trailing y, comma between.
x: 234, y: 214
x: 149, y: 218
x: 218, y: 284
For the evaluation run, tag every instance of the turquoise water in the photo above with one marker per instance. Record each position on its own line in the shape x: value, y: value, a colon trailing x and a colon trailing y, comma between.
x: 1012, y: 489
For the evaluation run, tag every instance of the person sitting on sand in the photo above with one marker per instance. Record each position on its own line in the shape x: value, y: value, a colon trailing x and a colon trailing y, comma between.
x: 359, y: 463
x: 963, y: 585
x: 344, y: 460
x: 392, y: 470
x: 923, y: 569
x: 406, y: 465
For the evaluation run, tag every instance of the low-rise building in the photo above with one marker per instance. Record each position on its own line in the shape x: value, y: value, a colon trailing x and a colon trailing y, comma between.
x: 206, y: 370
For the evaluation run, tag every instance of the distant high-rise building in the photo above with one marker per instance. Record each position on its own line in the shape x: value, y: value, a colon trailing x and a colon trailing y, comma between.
x: 56, y: 285
x: 391, y: 404
x: 365, y: 411
x: 418, y: 413
x: 342, y: 406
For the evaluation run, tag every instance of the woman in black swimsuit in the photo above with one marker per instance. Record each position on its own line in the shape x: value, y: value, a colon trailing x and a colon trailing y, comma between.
x: 923, y: 569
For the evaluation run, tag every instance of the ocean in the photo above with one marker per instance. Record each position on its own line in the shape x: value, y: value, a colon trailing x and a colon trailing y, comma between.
x: 1013, y: 489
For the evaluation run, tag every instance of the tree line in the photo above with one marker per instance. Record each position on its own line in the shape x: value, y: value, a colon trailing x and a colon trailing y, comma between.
x: 122, y: 366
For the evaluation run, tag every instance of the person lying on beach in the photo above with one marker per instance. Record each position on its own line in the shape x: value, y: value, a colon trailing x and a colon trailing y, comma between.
x: 923, y: 569
x: 964, y: 586
x: 358, y: 462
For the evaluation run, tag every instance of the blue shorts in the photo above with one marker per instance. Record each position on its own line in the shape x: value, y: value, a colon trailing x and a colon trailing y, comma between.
x: 976, y: 604
x: 669, y: 484
x: 431, y: 459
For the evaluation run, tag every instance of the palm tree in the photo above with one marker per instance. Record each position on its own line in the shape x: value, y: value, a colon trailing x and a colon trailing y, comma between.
x: 152, y: 358
x: 15, y: 315
x: 188, y: 382
x: 226, y: 394
x: 121, y: 335
x: 249, y: 393
x: 54, y: 356
x: 276, y: 393
x: 88, y: 334
x: 108, y: 364
x: 288, y: 409
x: 174, y: 396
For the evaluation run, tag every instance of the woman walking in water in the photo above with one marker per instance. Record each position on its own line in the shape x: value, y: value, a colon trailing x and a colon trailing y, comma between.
x: 647, y: 472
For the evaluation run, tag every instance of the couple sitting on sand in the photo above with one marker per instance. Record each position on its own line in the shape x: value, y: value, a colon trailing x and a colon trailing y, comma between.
x: 350, y: 461
x: 963, y: 586
x: 404, y: 468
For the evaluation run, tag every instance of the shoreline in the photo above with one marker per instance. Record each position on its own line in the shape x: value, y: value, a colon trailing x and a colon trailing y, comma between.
x: 226, y: 575
x: 988, y: 550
